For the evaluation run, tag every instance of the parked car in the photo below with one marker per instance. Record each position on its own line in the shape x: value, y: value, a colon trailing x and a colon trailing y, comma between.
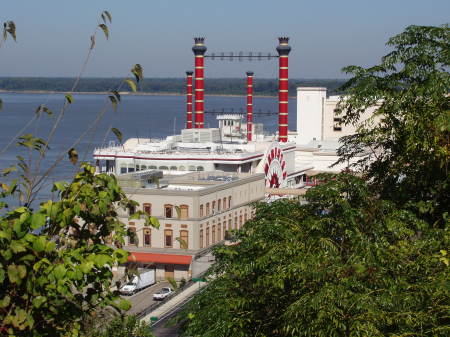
x: 163, y: 293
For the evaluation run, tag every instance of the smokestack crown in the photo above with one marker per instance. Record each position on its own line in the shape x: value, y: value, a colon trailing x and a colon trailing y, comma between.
x: 283, y: 47
x: 199, y: 46
x: 249, y: 73
x: 189, y: 73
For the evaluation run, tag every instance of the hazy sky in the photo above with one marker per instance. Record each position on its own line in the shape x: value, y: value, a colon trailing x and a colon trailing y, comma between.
x: 53, y: 35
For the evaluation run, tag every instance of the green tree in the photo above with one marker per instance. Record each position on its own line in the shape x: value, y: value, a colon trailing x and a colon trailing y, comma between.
x: 128, y: 326
x: 404, y: 149
x: 368, y: 254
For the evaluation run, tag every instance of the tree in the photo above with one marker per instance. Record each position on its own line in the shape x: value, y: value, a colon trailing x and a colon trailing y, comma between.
x: 368, y: 254
x: 56, y: 258
x: 409, y: 134
x: 128, y: 326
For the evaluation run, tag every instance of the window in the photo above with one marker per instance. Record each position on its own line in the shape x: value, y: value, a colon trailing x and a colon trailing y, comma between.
x: 245, y: 217
x: 224, y: 203
x: 182, y: 168
x: 184, y: 236
x: 337, y: 124
x: 168, y: 210
x: 229, y: 202
x: 152, y: 167
x: 132, y: 210
x: 219, y: 205
x: 173, y: 168
x: 224, y: 230
x: 229, y: 225
x: 201, y: 238
x: 213, y: 207
x: 207, y: 208
x: 184, y: 211
x: 123, y: 169
x: 147, y: 208
x: 138, y: 168
x: 219, y: 231
x: 191, y: 168
x: 147, y: 237
x: 207, y: 236
x: 240, y: 221
x: 201, y: 210
x: 200, y: 168
x: 132, y: 235
x: 213, y: 234
x: 168, y: 236
x: 235, y: 222
x: 163, y: 168
x: 143, y: 167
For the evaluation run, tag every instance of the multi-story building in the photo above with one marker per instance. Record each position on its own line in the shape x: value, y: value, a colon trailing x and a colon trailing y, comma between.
x: 194, y: 210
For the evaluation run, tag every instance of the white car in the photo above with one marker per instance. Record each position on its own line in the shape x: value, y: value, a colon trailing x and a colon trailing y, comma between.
x: 163, y: 293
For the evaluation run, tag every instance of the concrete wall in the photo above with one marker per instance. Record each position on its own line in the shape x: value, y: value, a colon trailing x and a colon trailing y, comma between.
x: 310, y: 113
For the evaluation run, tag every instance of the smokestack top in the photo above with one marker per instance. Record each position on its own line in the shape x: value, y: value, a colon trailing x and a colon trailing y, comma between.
x: 283, y: 47
x: 199, y: 46
x: 249, y: 73
x: 189, y: 72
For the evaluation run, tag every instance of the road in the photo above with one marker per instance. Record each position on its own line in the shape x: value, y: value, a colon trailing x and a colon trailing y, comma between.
x: 144, y: 298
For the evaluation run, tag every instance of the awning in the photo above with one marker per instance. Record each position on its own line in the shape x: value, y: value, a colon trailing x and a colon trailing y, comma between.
x: 159, y: 258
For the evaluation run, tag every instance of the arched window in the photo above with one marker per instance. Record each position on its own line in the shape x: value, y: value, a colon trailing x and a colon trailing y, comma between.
x: 182, y: 168
x: 207, y: 236
x: 240, y: 221
x: 219, y: 231
x: 184, y: 236
x: 147, y: 237
x: 201, y: 238
x: 245, y: 217
x: 147, y: 208
x: 219, y: 205
x: 207, y: 208
x: 164, y: 168
x: 152, y: 167
x: 229, y: 201
x: 224, y: 203
x: 191, y: 168
x: 168, y: 238
x: 201, y: 210
x: 200, y: 168
x: 213, y: 234
x: 213, y: 206
x: 225, y: 230
x: 123, y: 169
x: 143, y: 167
x: 184, y: 211
x: 132, y: 234
x: 168, y: 211
x: 235, y: 222
x: 173, y: 168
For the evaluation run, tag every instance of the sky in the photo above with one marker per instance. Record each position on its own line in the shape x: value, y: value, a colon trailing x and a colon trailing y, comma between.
x: 53, y: 36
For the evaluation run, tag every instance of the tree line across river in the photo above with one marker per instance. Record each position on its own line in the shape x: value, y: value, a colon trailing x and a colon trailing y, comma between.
x: 214, y: 86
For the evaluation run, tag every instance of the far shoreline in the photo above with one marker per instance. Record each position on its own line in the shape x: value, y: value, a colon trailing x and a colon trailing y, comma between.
x: 122, y: 93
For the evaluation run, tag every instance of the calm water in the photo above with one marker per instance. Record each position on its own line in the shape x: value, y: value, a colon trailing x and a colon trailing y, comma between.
x: 136, y: 116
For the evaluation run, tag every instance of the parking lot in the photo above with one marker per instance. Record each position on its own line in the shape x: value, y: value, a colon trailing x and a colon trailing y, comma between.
x: 144, y: 298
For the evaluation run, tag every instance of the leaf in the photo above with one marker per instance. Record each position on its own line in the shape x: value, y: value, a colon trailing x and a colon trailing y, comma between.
x: 132, y: 84
x: 122, y: 305
x: 69, y: 98
x: 137, y: 72
x: 154, y: 221
x: 38, y: 301
x: 73, y: 156
x: 178, y: 210
x: 183, y: 243
x: 105, y: 30
x: 116, y: 94
x: 38, y: 220
x: 13, y: 274
x: 8, y: 170
x: 117, y: 133
x: 59, y: 271
x: 108, y: 15
x: 113, y: 102
x: 86, y: 267
x: 39, y: 244
x: 92, y: 42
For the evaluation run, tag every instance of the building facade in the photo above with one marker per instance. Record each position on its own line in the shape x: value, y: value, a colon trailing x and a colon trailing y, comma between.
x: 194, y: 210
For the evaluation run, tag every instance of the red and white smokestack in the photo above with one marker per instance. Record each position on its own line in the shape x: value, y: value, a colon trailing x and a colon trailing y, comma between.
x: 199, y: 50
x: 249, y: 105
x: 283, y: 50
x: 189, y: 99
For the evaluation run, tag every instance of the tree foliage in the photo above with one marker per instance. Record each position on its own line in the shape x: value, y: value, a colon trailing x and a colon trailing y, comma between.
x: 409, y: 134
x: 367, y: 255
x: 56, y: 266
